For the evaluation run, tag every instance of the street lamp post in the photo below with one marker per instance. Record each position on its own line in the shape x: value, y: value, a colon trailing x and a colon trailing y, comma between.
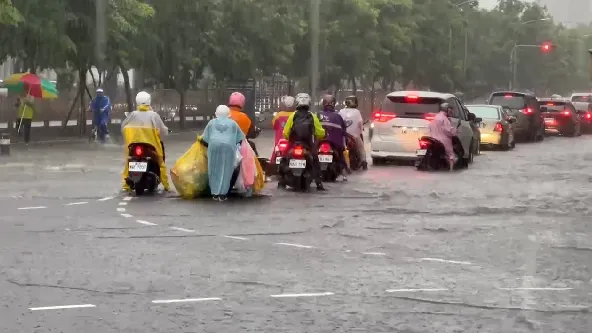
x: 513, y: 58
x: 458, y: 6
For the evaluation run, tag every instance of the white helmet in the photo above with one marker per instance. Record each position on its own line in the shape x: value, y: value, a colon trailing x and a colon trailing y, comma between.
x: 143, y: 98
x: 303, y: 99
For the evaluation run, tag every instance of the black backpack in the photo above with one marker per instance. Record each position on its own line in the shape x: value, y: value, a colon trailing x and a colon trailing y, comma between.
x: 303, y: 126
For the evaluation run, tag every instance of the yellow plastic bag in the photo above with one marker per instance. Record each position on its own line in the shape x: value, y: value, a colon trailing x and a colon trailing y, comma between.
x: 259, y: 179
x: 346, y: 156
x: 190, y: 172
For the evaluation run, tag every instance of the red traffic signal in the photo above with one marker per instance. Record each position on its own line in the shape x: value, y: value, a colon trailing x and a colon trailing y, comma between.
x: 546, y: 47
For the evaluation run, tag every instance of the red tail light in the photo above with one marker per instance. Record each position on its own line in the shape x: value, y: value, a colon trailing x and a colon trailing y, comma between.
x: 507, y: 96
x: 430, y: 116
x: 412, y: 98
x: 139, y: 151
x: 527, y: 111
x: 298, y: 151
x: 498, y: 127
x: 282, y: 146
x: 566, y: 113
x: 588, y: 115
x: 423, y: 144
x: 325, y: 148
x: 383, y: 117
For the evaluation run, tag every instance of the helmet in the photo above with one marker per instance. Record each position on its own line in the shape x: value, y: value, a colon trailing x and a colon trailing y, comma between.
x: 445, y: 107
x: 287, y: 103
x: 303, y: 99
x: 237, y: 99
x: 143, y: 98
x: 100, y: 91
x: 329, y: 100
x: 351, y: 101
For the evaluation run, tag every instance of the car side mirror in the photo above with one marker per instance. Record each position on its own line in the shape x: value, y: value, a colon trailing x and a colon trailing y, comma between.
x: 478, y: 120
x: 472, y: 117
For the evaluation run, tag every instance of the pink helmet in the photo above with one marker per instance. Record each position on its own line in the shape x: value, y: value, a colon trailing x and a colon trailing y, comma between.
x: 237, y: 99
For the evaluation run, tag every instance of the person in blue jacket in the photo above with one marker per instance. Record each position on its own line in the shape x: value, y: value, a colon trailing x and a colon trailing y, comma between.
x: 336, y: 130
x: 101, y: 109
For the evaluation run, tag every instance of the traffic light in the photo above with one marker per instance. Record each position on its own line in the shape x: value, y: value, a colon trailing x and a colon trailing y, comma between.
x: 546, y: 47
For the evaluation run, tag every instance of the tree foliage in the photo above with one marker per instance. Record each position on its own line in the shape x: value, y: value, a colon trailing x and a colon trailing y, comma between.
x: 449, y: 45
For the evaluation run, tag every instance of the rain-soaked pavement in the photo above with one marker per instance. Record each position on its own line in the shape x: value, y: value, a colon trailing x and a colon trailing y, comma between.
x: 501, y: 247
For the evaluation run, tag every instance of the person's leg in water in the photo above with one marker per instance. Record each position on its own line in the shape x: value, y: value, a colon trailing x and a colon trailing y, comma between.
x: 316, y: 167
x: 362, y: 151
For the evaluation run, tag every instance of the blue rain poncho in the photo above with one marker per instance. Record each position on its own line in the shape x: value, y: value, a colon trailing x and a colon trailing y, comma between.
x: 222, y: 136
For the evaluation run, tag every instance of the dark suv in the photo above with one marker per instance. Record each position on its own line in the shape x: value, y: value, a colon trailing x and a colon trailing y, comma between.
x: 529, y: 125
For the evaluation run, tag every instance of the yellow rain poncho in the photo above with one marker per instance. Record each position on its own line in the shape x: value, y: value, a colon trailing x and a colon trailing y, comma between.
x: 145, y: 126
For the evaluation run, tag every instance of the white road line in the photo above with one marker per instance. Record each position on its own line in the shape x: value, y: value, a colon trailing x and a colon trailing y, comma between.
x: 30, y: 208
x: 448, y: 261
x: 235, y: 237
x: 302, y: 295
x: 375, y: 253
x: 296, y: 245
x: 186, y: 300
x: 534, y: 288
x: 146, y: 222
x: 182, y: 229
x: 413, y: 290
x: 126, y: 215
x: 105, y: 198
x: 121, y: 209
x: 127, y: 198
x: 76, y: 203
x: 123, y: 203
x: 59, y: 307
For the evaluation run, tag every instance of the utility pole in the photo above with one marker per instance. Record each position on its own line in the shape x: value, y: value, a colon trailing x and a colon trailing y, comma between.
x: 314, y: 49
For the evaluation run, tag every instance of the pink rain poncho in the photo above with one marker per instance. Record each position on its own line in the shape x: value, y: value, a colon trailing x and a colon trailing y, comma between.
x: 441, y: 129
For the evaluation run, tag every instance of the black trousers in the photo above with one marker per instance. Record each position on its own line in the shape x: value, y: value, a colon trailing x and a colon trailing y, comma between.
x: 25, y: 127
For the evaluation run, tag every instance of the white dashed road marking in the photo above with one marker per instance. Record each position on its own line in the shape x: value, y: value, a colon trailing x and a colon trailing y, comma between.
x: 446, y: 261
x: 302, y: 295
x: 121, y: 209
x: 235, y: 237
x: 413, y: 290
x: 182, y: 229
x: 123, y: 203
x: 296, y: 245
x: 31, y: 208
x: 76, y: 203
x: 60, y: 307
x: 127, y: 198
x: 146, y: 222
x: 375, y: 253
x: 186, y: 300
x: 105, y: 198
x: 126, y: 215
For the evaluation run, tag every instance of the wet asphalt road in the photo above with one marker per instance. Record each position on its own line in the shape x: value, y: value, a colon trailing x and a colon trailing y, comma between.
x: 502, y: 247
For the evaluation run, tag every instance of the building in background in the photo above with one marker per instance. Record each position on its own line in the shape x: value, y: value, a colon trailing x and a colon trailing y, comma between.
x: 569, y: 12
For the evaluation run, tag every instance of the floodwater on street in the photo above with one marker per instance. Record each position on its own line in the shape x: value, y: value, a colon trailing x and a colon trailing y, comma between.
x: 501, y: 247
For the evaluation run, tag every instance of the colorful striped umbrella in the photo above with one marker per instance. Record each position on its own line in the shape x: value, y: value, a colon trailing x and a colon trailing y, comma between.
x: 31, y: 84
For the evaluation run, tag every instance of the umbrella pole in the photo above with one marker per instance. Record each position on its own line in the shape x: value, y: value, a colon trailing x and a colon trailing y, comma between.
x: 23, y: 113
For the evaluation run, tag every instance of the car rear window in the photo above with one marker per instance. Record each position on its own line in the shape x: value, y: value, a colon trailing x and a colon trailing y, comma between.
x: 485, y: 112
x: 511, y: 101
x: 406, y: 107
x: 581, y: 106
x: 585, y: 98
x: 552, y: 106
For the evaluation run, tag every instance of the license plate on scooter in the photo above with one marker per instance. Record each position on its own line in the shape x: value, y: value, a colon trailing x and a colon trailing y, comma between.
x: 138, y: 166
x: 297, y: 164
x: 326, y: 158
x: 421, y: 152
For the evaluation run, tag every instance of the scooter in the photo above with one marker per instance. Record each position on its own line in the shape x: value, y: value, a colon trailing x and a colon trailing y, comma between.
x: 329, y: 162
x: 296, y: 168
x: 143, y: 168
x: 432, y: 154
x: 279, y: 151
